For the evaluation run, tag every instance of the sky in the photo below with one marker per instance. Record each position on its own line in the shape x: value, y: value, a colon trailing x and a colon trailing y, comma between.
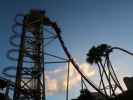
x: 83, y: 23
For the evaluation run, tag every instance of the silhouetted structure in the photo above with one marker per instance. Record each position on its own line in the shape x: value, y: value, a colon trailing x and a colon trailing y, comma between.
x: 3, y: 84
x: 4, y: 88
x: 30, y: 84
x: 127, y: 95
x: 108, y: 78
x: 85, y: 95
x: 30, y: 76
x: 129, y: 83
x: 2, y: 96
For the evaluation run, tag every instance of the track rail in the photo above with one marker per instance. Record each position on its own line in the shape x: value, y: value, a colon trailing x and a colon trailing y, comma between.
x: 57, y: 30
x: 76, y: 66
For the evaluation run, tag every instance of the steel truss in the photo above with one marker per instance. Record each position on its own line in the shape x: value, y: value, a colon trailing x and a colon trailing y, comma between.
x: 39, y: 36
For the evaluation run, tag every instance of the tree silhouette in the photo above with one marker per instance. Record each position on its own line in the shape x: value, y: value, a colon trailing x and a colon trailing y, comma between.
x: 96, y: 55
x: 93, y: 56
x: 100, y: 56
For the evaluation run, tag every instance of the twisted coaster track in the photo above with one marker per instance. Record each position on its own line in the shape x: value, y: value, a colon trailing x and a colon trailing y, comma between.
x: 76, y: 66
x: 30, y: 74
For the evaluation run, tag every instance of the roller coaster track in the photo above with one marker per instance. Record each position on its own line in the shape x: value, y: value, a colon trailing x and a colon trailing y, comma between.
x: 70, y: 59
x: 76, y: 66
x: 57, y: 30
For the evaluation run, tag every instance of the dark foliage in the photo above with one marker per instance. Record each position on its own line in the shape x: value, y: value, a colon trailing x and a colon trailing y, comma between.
x: 95, y: 54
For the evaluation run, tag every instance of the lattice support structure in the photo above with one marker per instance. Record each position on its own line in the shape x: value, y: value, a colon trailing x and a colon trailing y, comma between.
x: 33, y: 56
x: 109, y: 81
x: 30, y: 84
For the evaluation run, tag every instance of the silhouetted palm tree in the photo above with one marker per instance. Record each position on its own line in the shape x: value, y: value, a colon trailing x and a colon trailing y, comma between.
x: 95, y: 54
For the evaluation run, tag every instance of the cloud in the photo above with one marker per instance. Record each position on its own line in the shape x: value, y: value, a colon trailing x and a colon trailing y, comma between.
x: 56, y: 80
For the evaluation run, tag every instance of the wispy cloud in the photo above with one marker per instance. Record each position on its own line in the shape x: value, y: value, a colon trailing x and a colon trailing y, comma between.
x: 56, y: 80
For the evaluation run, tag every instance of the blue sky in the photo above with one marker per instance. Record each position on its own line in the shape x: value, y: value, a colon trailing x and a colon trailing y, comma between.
x: 84, y: 23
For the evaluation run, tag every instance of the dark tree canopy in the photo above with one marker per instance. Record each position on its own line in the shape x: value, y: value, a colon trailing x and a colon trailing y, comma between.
x: 95, y: 54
